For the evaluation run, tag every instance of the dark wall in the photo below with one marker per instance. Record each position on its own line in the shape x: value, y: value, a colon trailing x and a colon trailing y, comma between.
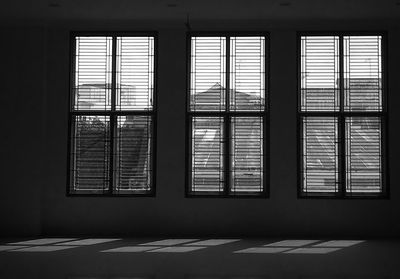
x: 33, y: 200
x: 22, y: 93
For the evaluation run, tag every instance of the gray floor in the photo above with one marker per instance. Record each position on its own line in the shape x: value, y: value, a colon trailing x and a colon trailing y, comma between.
x: 141, y: 258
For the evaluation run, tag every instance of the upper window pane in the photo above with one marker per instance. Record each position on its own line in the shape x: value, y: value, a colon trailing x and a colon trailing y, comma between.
x: 320, y: 73
x: 247, y: 73
x: 92, y: 73
x: 135, y: 73
x: 362, y: 73
x: 208, y: 73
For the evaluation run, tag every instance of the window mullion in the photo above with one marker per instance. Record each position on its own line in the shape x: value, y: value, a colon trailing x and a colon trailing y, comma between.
x: 341, y: 123
x: 227, y: 120
x: 227, y: 158
x: 112, y: 114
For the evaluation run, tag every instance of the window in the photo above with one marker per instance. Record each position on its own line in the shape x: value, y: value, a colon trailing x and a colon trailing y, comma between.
x: 342, y: 115
x: 112, y: 114
x: 227, y: 115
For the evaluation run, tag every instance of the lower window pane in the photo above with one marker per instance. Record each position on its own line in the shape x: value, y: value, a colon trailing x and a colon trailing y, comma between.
x: 247, y: 154
x: 207, y: 173
x: 133, y: 149
x: 363, y: 155
x: 90, y: 154
x: 319, y: 141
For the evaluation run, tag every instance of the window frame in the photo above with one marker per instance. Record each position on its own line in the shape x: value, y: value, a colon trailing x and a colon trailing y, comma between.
x: 112, y: 113
x: 226, y: 115
x: 341, y: 116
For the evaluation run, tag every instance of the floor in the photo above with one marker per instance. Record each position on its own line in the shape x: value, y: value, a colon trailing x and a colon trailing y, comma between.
x: 141, y: 258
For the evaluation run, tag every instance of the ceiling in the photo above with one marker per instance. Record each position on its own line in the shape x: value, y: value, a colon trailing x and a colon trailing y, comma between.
x: 200, y: 9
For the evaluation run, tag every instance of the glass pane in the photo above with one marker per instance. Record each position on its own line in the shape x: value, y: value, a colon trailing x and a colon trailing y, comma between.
x: 93, y: 67
x: 319, y: 142
x: 133, y: 166
x: 362, y: 73
x: 320, y: 73
x: 135, y: 73
x: 90, y: 154
x: 207, y: 154
x: 247, y: 154
x: 363, y: 155
x: 207, y: 73
x: 247, y: 73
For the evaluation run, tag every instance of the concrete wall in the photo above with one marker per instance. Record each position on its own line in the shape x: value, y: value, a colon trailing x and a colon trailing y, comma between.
x: 34, y: 95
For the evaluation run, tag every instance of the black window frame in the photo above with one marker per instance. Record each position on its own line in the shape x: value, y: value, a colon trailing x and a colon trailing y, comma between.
x: 341, y: 116
x: 113, y: 113
x: 265, y: 115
